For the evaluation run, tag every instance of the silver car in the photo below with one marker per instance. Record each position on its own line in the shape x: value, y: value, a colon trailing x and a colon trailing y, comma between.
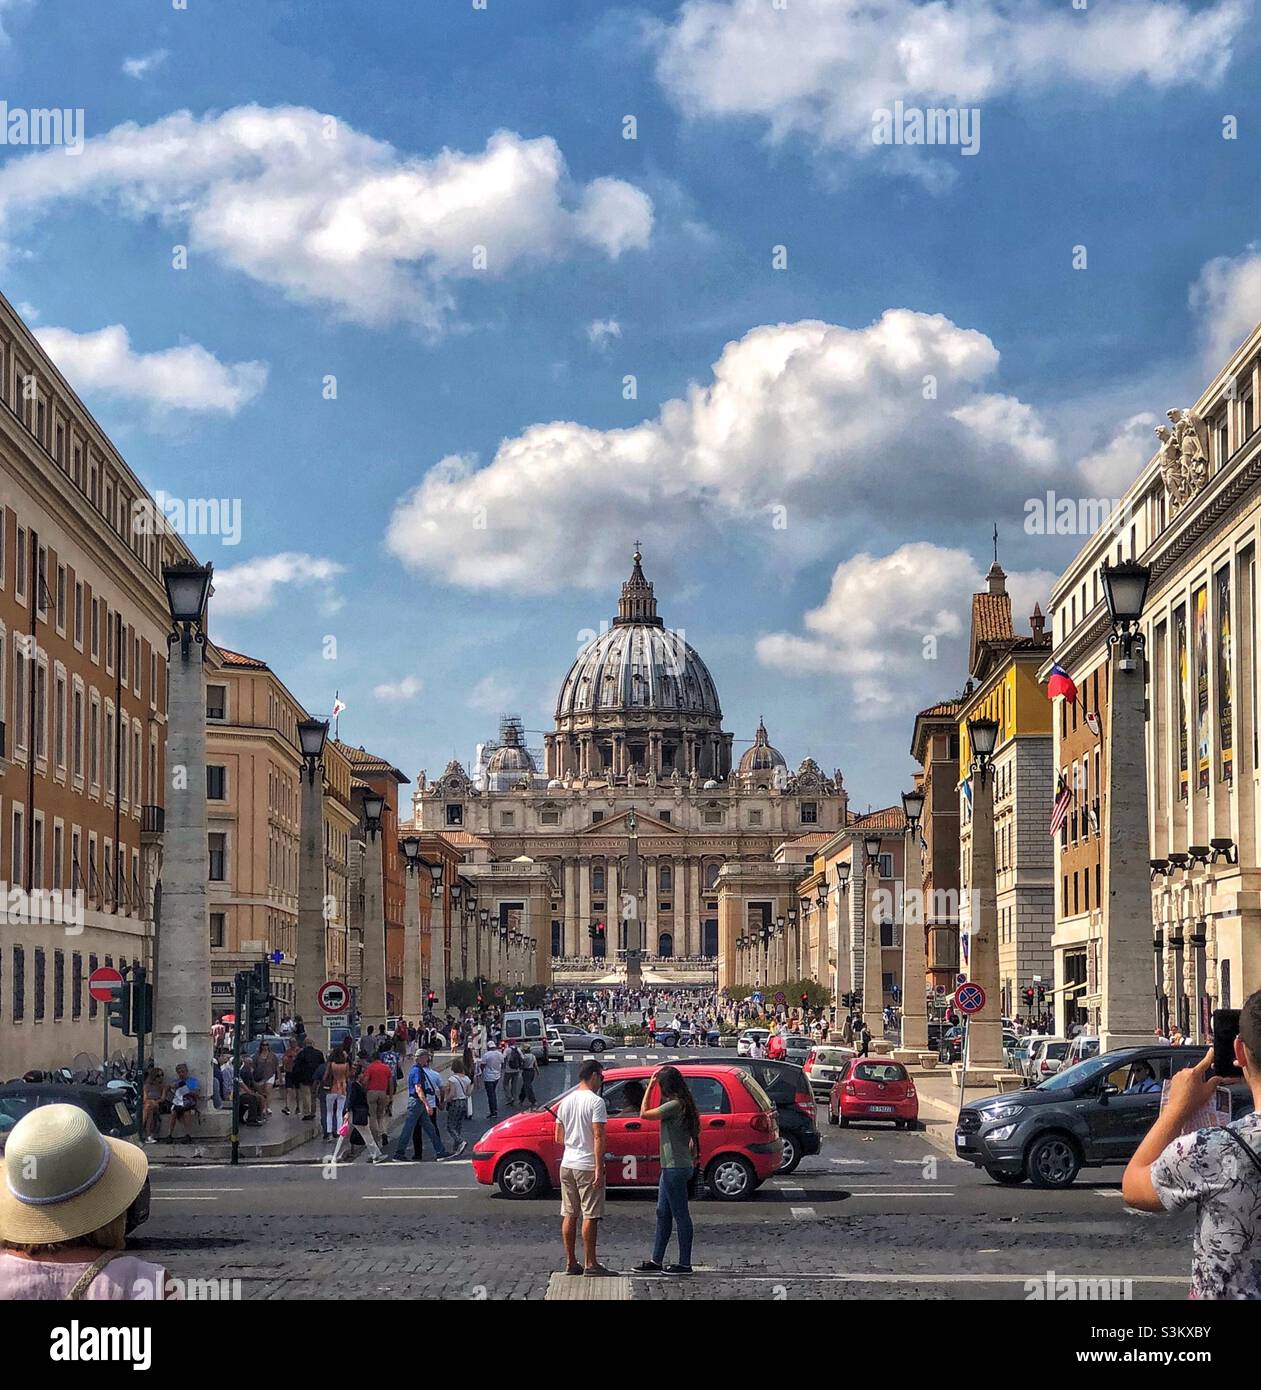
x: 581, y: 1040
x: 823, y: 1065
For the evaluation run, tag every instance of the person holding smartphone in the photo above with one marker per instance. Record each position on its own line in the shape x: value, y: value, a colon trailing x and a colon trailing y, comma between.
x: 680, y: 1148
x: 1217, y: 1169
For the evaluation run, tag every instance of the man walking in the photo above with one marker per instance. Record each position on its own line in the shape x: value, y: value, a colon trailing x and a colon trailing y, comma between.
x: 424, y: 1093
x: 378, y: 1081
x: 529, y: 1070
x: 512, y: 1073
x: 581, y: 1120
x: 492, y: 1068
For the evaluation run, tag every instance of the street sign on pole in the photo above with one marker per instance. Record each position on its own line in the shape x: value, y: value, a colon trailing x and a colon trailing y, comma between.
x: 334, y: 997
x: 970, y: 998
x: 961, y: 979
x: 102, y: 982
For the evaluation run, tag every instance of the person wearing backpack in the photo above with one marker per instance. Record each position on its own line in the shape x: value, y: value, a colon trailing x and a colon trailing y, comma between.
x: 512, y: 1074
x: 1217, y: 1169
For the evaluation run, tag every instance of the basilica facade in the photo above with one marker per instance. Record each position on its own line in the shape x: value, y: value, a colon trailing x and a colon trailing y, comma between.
x: 638, y: 727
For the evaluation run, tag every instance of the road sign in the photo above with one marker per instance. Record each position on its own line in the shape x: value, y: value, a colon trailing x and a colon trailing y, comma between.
x: 756, y: 997
x: 941, y: 989
x: 961, y: 979
x: 337, y: 1020
x: 277, y: 958
x: 499, y: 991
x: 334, y: 997
x: 102, y: 983
x: 970, y: 999
x: 780, y: 997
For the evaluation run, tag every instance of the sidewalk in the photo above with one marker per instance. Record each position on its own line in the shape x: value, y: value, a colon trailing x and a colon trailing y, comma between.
x: 282, y: 1138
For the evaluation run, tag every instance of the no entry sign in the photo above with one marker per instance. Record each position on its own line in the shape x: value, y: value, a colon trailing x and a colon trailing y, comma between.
x: 970, y: 998
x: 333, y: 997
x: 103, y: 983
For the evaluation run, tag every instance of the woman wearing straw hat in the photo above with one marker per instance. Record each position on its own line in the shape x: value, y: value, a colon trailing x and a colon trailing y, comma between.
x: 65, y: 1190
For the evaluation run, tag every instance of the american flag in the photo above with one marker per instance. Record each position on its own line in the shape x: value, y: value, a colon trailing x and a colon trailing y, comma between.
x: 1059, y: 808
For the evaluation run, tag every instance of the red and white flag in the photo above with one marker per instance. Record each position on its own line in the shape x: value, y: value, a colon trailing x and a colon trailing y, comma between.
x: 1059, y: 807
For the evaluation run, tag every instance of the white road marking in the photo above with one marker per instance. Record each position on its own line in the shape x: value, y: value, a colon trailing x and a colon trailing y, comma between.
x: 901, y: 1194
x: 850, y: 1162
x: 414, y: 1197
x: 1106, y: 1191
x: 158, y: 1198
x: 204, y: 1189
x: 805, y: 1213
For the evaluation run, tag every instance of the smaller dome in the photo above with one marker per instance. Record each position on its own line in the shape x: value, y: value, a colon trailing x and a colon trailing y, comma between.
x: 512, y: 754
x: 762, y: 757
x: 710, y: 784
x: 555, y: 784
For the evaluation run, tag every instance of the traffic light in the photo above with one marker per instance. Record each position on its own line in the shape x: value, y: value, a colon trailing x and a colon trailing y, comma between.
x: 118, y: 1007
x: 258, y: 999
x: 1028, y: 994
x: 805, y: 999
x: 432, y: 997
x: 1041, y: 994
x: 141, y: 1008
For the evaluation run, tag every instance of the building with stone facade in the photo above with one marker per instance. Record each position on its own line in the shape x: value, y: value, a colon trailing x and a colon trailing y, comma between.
x: 83, y: 627
x: 253, y: 770
x: 1003, y: 685
x: 1193, y: 516
x: 638, y: 725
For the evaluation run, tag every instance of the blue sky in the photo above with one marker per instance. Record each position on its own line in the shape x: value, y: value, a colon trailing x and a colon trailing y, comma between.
x: 464, y: 509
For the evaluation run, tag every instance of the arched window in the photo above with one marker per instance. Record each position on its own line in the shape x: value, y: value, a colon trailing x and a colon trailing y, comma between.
x: 665, y: 944
x: 711, y: 875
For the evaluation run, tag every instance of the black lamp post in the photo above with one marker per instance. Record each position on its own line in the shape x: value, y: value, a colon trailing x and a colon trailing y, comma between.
x: 187, y: 590
x: 312, y: 736
x: 373, y: 810
x: 1125, y: 593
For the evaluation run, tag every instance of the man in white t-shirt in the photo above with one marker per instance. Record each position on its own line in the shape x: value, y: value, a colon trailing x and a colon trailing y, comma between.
x: 491, y: 1069
x: 581, y: 1118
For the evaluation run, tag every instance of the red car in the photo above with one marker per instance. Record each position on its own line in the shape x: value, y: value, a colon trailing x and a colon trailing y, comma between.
x: 740, y: 1144
x: 869, y: 1088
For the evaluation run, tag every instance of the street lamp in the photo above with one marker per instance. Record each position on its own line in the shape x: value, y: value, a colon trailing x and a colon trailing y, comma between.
x: 1125, y: 592
x: 373, y: 810
x: 913, y: 1037
x: 312, y: 736
x: 982, y: 736
x: 187, y: 590
x: 913, y: 809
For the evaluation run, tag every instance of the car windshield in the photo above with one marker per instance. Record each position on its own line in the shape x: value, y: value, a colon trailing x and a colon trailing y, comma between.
x: 1069, y: 1078
x: 879, y: 1071
x: 829, y: 1056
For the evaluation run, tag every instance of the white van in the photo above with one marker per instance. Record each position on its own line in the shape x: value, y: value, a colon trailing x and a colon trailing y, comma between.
x: 527, y: 1025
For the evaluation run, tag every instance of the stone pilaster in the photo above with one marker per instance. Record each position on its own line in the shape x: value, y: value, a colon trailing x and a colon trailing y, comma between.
x: 985, y: 1028
x: 372, y: 991
x: 311, y: 969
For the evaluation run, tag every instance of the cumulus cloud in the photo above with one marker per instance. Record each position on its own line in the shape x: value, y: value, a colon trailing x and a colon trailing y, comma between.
x: 396, y: 692
x: 894, y: 627
x: 149, y: 62
x: 325, y: 214
x: 492, y: 695
x: 1226, y: 299
x: 252, y: 587
x: 600, y: 332
x: 1110, y: 469
x: 825, y: 421
x: 820, y: 68
x: 187, y: 377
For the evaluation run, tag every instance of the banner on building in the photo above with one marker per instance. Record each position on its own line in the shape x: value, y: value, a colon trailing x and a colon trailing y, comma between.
x: 1203, y: 739
x: 1180, y: 629
x: 1225, y: 714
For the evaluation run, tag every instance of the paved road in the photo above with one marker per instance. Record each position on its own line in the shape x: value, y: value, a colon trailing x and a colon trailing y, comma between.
x: 877, y: 1214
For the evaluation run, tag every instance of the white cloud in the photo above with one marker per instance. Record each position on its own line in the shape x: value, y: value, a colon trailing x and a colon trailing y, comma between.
x: 1112, y: 468
x: 400, y: 690
x: 149, y: 62
x: 492, y: 695
x: 27, y: 312
x: 5, y: 7
x: 187, y: 377
x: 819, y: 68
x: 251, y: 588
x: 601, y: 331
x: 328, y: 215
x: 1227, y: 302
x: 872, y: 629
x: 825, y: 421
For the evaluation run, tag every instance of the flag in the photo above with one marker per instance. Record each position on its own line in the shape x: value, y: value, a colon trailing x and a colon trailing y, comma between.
x: 1059, y: 682
x: 1093, y: 724
x: 1059, y: 807
x: 966, y: 784
x: 339, y: 707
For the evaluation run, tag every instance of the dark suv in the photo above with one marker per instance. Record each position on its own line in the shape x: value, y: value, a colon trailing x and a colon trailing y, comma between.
x: 1091, y: 1115
x: 788, y: 1086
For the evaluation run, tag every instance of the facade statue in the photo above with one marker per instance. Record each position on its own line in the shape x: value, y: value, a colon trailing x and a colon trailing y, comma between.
x: 1183, y: 456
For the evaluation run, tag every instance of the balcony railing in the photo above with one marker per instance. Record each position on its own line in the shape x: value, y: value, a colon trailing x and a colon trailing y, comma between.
x: 152, y: 820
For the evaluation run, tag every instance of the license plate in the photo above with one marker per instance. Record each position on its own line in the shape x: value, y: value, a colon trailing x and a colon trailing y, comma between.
x: 960, y: 1141
x: 881, y: 1109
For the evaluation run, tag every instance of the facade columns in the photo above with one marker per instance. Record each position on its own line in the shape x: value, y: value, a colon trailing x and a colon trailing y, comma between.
x: 412, y: 1003
x: 182, y: 993
x: 651, y: 933
x: 586, y: 947
x: 569, y: 941
x: 1125, y: 1019
x: 914, y: 1038
x: 372, y: 990
x: 311, y: 969
x: 985, y: 1028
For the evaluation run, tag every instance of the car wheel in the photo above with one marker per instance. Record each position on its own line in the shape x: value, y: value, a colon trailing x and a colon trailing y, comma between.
x: 521, y: 1176
x: 792, y: 1153
x: 1006, y: 1179
x: 843, y: 1122
x: 730, y: 1178
x: 1052, y: 1161
x: 597, y: 1045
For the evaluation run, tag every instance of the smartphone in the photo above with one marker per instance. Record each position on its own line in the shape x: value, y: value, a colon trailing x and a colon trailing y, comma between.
x: 1225, y: 1031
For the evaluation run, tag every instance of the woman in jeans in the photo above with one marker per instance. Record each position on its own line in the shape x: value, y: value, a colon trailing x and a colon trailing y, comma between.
x: 680, y: 1143
x: 336, y: 1079
x: 356, y: 1102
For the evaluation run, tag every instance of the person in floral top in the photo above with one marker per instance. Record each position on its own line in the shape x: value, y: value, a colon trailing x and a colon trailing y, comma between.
x: 1217, y: 1169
